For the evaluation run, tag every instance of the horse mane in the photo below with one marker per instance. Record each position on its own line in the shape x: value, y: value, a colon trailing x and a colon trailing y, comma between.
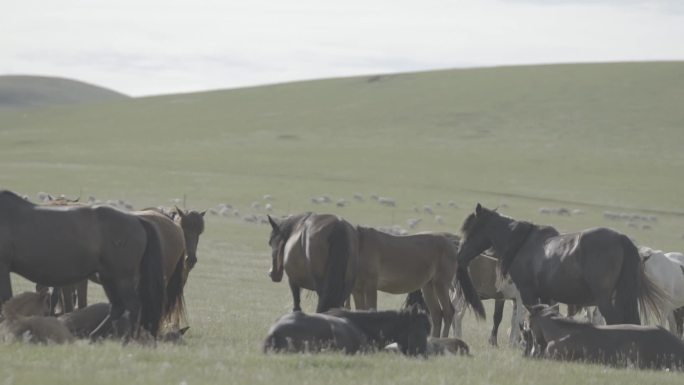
x: 288, y: 224
x: 519, y: 234
x: 468, y: 223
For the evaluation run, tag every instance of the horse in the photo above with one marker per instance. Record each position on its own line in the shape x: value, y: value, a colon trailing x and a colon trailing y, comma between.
x: 24, y: 318
x: 408, y: 328
x: 668, y: 274
x: 82, y: 322
x: 192, y: 224
x: 645, y: 347
x: 57, y: 246
x: 483, y: 271
x: 597, y: 266
x: 311, y: 333
x: 402, y: 264
x: 318, y: 252
x: 178, y: 237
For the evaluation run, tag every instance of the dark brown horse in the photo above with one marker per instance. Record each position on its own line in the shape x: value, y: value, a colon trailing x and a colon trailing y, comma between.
x: 57, y: 246
x: 593, y: 267
x: 645, y: 347
x: 297, y: 332
x: 318, y: 252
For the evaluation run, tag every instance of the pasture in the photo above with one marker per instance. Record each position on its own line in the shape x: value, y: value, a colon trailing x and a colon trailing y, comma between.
x: 592, y: 138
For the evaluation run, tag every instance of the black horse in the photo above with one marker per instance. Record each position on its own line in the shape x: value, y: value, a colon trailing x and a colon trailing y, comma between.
x: 592, y: 267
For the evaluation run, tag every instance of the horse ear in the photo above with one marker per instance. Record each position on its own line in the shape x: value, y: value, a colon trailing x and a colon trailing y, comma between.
x: 202, y: 214
x: 478, y: 209
x: 183, y: 330
x: 274, y: 224
x: 180, y: 212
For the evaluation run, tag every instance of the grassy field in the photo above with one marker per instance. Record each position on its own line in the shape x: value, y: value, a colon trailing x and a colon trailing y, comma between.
x: 592, y: 137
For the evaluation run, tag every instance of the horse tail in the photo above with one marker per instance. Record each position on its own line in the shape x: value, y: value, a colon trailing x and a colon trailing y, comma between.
x: 469, y: 292
x: 334, y: 291
x: 151, y: 284
x: 635, y: 289
x: 175, y: 300
x: 415, y: 298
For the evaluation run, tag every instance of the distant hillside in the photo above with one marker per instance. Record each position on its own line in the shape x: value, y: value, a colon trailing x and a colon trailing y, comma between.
x: 39, y: 91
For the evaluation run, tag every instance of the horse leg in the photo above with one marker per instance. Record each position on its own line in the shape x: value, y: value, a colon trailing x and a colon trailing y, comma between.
x: 498, y: 315
x: 131, y: 301
x: 448, y: 311
x: 296, y: 296
x: 671, y: 321
x: 67, y: 298
x: 5, y: 285
x: 82, y: 294
x: 460, y: 308
x: 613, y: 316
x: 116, y: 310
x: 434, y: 308
x: 516, y: 319
x: 359, y: 298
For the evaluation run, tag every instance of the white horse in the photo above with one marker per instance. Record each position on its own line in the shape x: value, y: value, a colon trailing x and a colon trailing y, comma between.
x: 667, y: 271
x: 484, y: 276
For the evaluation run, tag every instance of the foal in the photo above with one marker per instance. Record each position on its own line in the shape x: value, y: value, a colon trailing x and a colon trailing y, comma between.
x: 24, y: 319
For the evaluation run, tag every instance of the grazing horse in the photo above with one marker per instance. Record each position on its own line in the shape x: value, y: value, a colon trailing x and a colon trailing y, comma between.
x: 318, y: 252
x: 402, y: 264
x: 24, y: 319
x: 668, y: 274
x: 483, y: 271
x: 305, y: 333
x: 409, y: 328
x: 645, y: 347
x: 596, y: 266
x: 57, y: 246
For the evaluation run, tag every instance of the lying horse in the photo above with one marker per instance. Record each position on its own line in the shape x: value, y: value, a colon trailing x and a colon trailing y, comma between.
x: 25, y: 319
x: 409, y: 329
x: 297, y: 332
x: 318, y: 252
x: 597, y: 266
x: 645, y: 347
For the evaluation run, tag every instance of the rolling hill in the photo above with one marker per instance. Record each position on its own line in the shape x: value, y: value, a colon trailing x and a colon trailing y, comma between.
x: 39, y: 91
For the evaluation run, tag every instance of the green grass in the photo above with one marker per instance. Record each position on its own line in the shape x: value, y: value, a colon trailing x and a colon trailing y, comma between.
x: 594, y: 137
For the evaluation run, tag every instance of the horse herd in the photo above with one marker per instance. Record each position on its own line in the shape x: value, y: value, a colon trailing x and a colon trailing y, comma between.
x: 142, y: 260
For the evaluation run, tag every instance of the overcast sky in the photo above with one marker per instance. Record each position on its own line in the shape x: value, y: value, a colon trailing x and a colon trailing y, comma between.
x: 162, y: 46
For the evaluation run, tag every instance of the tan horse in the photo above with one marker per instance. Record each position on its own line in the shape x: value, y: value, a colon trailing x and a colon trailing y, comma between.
x: 402, y: 264
x: 178, y: 238
x: 24, y: 319
x: 318, y: 252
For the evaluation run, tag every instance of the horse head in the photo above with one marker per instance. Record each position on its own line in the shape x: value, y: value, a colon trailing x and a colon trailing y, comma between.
x: 475, y: 234
x: 413, y: 340
x: 28, y: 304
x: 277, y: 242
x: 192, y: 223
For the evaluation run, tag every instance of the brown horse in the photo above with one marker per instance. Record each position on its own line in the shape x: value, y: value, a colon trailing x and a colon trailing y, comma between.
x: 57, y: 246
x: 646, y: 347
x: 318, y: 252
x: 402, y: 264
x: 596, y: 266
x: 24, y: 319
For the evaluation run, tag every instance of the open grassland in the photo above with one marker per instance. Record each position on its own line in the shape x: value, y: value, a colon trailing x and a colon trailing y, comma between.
x: 596, y: 138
